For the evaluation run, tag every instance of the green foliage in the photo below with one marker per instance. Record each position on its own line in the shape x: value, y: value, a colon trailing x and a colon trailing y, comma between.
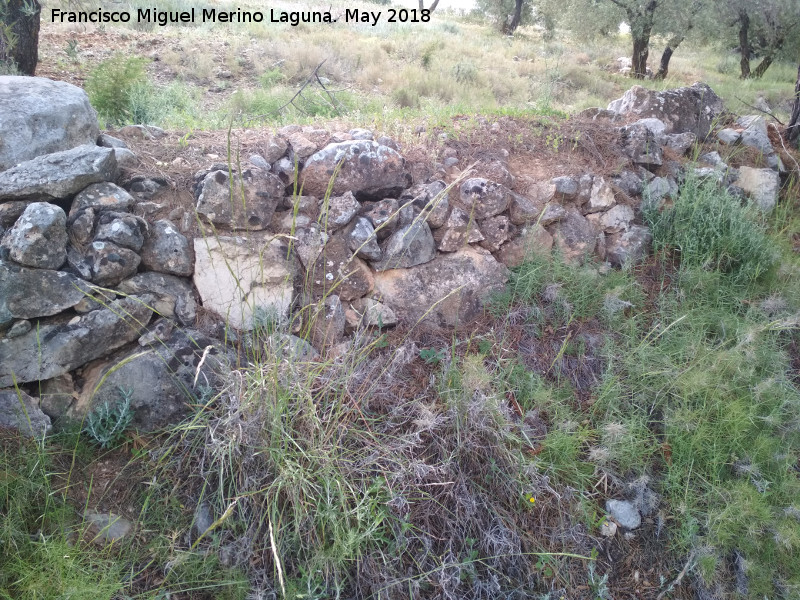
x: 271, y: 78
x: 106, y: 424
x: 432, y: 356
x: 709, y: 229
x: 112, y: 85
x: 42, y: 556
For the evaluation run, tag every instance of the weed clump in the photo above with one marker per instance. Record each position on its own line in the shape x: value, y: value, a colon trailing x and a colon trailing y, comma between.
x: 112, y: 84
x: 710, y: 229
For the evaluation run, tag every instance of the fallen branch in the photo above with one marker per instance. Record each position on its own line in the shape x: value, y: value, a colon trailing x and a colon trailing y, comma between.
x: 761, y: 110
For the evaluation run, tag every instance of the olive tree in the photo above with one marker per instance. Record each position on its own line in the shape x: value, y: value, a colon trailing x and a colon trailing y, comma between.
x: 19, y: 34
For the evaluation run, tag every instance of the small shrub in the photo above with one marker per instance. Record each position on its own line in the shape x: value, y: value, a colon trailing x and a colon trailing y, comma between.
x: 710, y: 229
x: 112, y: 83
x: 271, y: 78
x: 106, y: 423
x: 465, y: 72
x: 406, y: 98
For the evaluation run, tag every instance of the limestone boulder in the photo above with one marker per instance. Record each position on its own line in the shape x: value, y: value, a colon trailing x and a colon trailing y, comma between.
x: 575, y: 236
x: 761, y: 185
x: 245, y: 201
x: 482, y: 198
x: 175, y: 293
x: 533, y: 239
x: 40, y: 116
x: 688, y: 109
x: 59, y: 175
x: 338, y: 271
x: 60, y: 344
x: 244, y: 279
x: 366, y: 168
x: 162, y: 380
x: 167, y: 250
x: 110, y: 263
x: 31, y: 293
x: 38, y: 238
x: 21, y: 412
x: 630, y: 246
x: 448, y: 291
x: 409, y: 246
x: 102, y: 196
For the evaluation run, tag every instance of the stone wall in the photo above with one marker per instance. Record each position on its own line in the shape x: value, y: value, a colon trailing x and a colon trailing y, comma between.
x: 97, y: 298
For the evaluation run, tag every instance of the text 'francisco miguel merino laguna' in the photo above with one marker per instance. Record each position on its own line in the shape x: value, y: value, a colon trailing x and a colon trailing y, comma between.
x: 212, y: 15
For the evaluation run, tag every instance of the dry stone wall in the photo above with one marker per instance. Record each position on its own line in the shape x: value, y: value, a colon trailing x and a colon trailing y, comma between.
x: 98, y: 299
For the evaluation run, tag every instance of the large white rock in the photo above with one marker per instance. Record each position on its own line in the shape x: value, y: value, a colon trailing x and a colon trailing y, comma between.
x: 239, y: 278
x: 762, y: 185
x: 40, y: 116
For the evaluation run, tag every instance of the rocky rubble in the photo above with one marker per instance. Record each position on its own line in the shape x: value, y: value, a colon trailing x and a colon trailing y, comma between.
x: 98, y: 298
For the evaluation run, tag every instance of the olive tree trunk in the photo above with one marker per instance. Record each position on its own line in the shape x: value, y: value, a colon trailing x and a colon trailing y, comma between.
x: 19, y: 36
x: 431, y: 8
x: 672, y: 45
x: 510, y: 26
x: 793, y: 129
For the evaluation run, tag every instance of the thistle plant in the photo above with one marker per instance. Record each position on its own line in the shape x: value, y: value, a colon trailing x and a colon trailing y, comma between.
x: 106, y: 423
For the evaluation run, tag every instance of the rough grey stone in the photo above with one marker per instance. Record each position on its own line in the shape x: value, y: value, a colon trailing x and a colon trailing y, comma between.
x: 367, y: 169
x: 755, y: 134
x: 373, y: 313
x: 39, y: 237
x: 640, y: 145
x: 729, y: 136
x: 532, y: 239
x: 274, y: 149
x: 167, y: 250
x: 327, y: 323
x: 174, y: 290
x: 575, y: 236
x: 30, y: 293
x: 337, y: 271
x: 19, y: 411
x: 444, y: 292
x: 409, y: 246
x: 458, y: 231
x: 629, y: 182
x: 251, y: 205
x: 630, y: 246
x: 339, y: 211
x: 481, y: 198
x: 40, y: 116
x: 601, y: 197
x: 679, y: 142
x: 384, y: 217
x: 617, y: 219
x: 361, y: 134
x: 162, y: 380
x: 309, y: 243
x: 60, y: 344
x: 110, y: 263
x: 693, y: 109
x: 102, y: 196
x: 762, y: 185
x: 624, y: 513
x: 126, y: 231
x: 58, y: 175
x: 496, y: 231
x: 566, y: 187
x: 362, y: 240
x: 109, y: 141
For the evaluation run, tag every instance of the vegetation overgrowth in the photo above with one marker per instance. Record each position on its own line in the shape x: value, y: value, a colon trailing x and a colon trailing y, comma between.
x: 469, y: 465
